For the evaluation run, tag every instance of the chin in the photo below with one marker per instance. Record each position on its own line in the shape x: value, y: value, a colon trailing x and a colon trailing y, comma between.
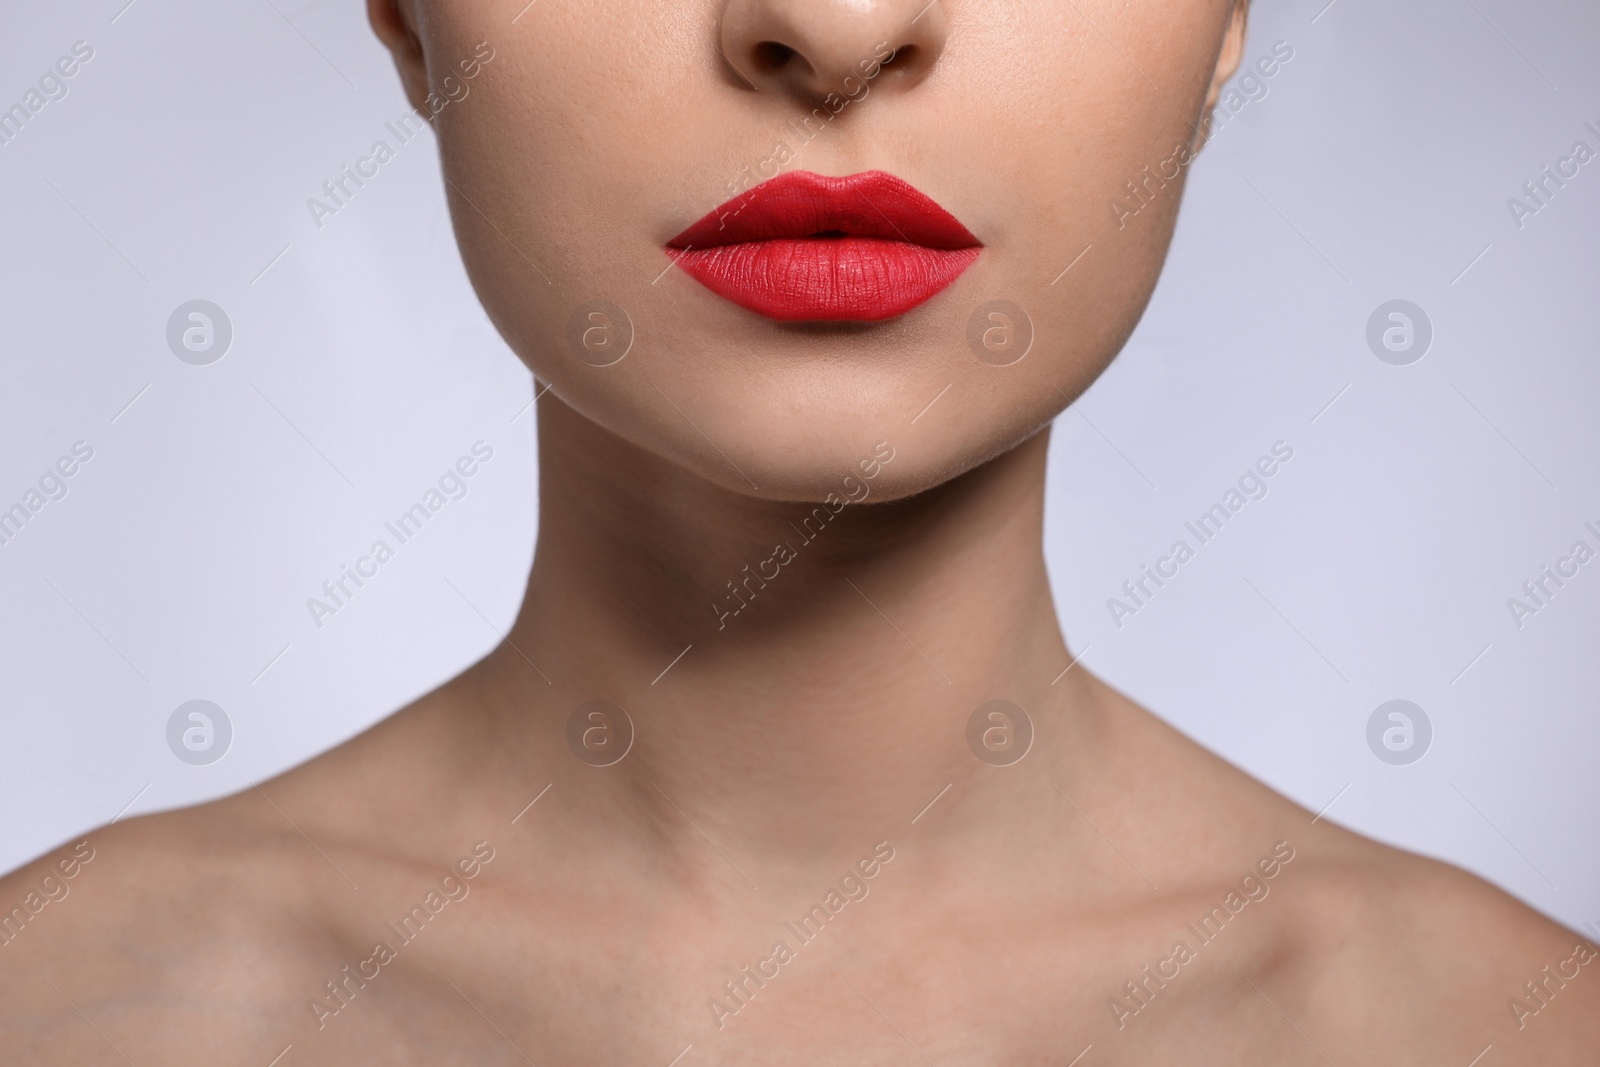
x: 799, y: 412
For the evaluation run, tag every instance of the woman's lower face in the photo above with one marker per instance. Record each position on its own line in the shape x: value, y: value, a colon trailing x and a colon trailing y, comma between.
x: 788, y: 226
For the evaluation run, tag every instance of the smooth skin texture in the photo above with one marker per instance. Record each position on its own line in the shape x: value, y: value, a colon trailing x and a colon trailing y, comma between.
x: 793, y: 737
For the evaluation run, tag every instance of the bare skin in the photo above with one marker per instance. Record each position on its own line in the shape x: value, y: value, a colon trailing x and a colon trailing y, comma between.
x: 768, y: 762
x: 814, y: 743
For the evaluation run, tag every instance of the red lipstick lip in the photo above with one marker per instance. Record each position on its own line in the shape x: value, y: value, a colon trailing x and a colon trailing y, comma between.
x: 807, y: 248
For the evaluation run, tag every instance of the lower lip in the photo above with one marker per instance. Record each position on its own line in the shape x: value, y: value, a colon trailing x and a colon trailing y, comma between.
x: 823, y: 279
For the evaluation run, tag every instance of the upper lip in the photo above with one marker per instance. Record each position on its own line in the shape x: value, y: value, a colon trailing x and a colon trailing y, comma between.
x: 800, y: 204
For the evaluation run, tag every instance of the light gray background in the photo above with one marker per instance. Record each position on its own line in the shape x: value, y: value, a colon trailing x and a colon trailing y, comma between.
x: 1378, y: 166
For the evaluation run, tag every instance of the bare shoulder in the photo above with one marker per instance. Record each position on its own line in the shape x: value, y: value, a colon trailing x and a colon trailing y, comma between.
x: 198, y: 935
x: 1367, y: 949
x: 1414, y: 953
x: 183, y: 921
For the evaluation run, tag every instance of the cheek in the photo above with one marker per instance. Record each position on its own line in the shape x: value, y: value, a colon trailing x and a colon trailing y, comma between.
x: 1071, y: 141
x: 564, y: 168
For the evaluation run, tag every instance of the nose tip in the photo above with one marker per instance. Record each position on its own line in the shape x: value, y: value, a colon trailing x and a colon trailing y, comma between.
x: 819, y: 47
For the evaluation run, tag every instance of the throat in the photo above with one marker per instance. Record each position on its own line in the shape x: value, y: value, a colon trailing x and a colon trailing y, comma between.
x: 788, y: 700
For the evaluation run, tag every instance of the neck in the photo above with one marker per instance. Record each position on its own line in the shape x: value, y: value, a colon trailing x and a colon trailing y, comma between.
x: 796, y: 676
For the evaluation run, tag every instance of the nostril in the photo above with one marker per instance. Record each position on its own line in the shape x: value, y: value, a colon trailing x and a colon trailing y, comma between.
x: 772, y: 56
x: 813, y: 49
x: 903, y: 57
